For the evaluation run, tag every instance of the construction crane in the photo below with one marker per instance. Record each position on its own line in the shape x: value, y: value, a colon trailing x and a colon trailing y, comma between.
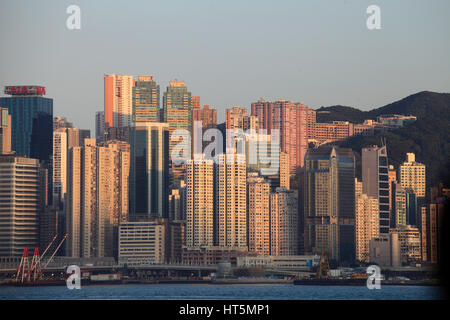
x: 35, y: 268
x: 51, y: 257
x: 33, y: 273
x: 324, y: 266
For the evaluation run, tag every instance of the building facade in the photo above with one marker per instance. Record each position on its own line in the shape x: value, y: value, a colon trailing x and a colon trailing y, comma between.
x: 329, y: 202
x: 149, y: 171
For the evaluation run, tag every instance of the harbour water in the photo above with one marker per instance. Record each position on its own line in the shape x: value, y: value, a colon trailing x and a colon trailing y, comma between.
x: 223, y: 292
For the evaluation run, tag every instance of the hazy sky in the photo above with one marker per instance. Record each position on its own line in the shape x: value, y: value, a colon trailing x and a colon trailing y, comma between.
x: 228, y: 52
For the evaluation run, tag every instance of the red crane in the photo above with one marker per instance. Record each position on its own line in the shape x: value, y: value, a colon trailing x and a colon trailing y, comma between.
x: 24, y: 271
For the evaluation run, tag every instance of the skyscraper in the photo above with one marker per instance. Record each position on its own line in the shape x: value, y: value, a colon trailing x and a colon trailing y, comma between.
x: 375, y: 180
x: 329, y: 202
x: 99, y: 126
x: 149, y: 171
x: 284, y: 222
x: 208, y: 119
x: 258, y: 214
x: 20, y: 203
x: 291, y: 119
x: 238, y: 118
x: 231, y: 201
x: 200, y: 202
x: 5, y: 131
x: 177, y: 108
x: 412, y: 175
x: 97, y: 198
x: 32, y: 121
x: 118, y: 100
x: 64, y: 138
x: 177, y: 113
x: 146, y: 100
x: 366, y: 222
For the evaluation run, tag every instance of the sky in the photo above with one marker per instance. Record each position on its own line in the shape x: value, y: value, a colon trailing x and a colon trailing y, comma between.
x: 229, y: 52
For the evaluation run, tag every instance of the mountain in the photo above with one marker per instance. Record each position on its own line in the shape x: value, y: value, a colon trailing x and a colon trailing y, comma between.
x: 340, y: 113
x: 428, y: 137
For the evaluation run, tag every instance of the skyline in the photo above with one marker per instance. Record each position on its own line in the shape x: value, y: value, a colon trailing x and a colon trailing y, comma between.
x: 312, y: 46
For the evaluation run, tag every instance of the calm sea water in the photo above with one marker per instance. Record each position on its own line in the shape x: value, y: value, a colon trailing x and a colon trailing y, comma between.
x: 219, y: 292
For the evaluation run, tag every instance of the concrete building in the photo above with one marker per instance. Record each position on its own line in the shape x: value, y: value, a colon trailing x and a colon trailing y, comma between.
x: 258, y: 207
x: 20, y: 204
x: 97, y: 198
x: 284, y: 222
x: 410, y: 244
x: 291, y: 119
x: 118, y: 100
x: 366, y: 222
x: 142, y: 242
x: 238, y: 118
x: 231, y: 201
x: 329, y: 202
x: 375, y: 179
x: 202, y: 120
x: 413, y: 176
x: 177, y: 108
x: 200, y: 202
x: 279, y: 263
x: 146, y: 100
x: 385, y: 250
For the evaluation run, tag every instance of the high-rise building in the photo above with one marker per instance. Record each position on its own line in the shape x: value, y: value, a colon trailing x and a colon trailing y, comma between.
x: 20, y: 203
x: 231, y: 201
x: 97, y: 198
x: 200, y: 202
x: 60, y: 152
x: 61, y: 122
x: 5, y: 131
x: 284, y: 222
x: 366, y: 222
x: 207, y: 115
x: 375, y: 180
x: 99, y: 126
x: 118, y: 100
x: 64, y: 138
x: 392, y: 179
x: 285, y: 176
x: 31, y: 123
x: 432, y: 224
x: 329, y: 202
x: 291, y: 119
x: 208, y: 119
x: 149, y: 171
x: 238, y: 118
x: 195, y: 102
x: 177, y: 108
x: 178, y: 114
x: 412, y: 175
x: 146, y: 100
x: 177, y: 203
x: 258, y: 207
x: 399, y: 206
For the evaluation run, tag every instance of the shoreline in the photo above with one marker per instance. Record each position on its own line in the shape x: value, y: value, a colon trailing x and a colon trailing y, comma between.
x: 428, y: 283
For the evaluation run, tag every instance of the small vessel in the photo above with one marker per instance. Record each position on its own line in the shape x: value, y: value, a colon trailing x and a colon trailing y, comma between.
x: 323, y: 278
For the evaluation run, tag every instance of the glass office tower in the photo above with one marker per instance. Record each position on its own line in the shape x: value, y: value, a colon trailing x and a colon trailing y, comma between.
x: 149, y: 169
